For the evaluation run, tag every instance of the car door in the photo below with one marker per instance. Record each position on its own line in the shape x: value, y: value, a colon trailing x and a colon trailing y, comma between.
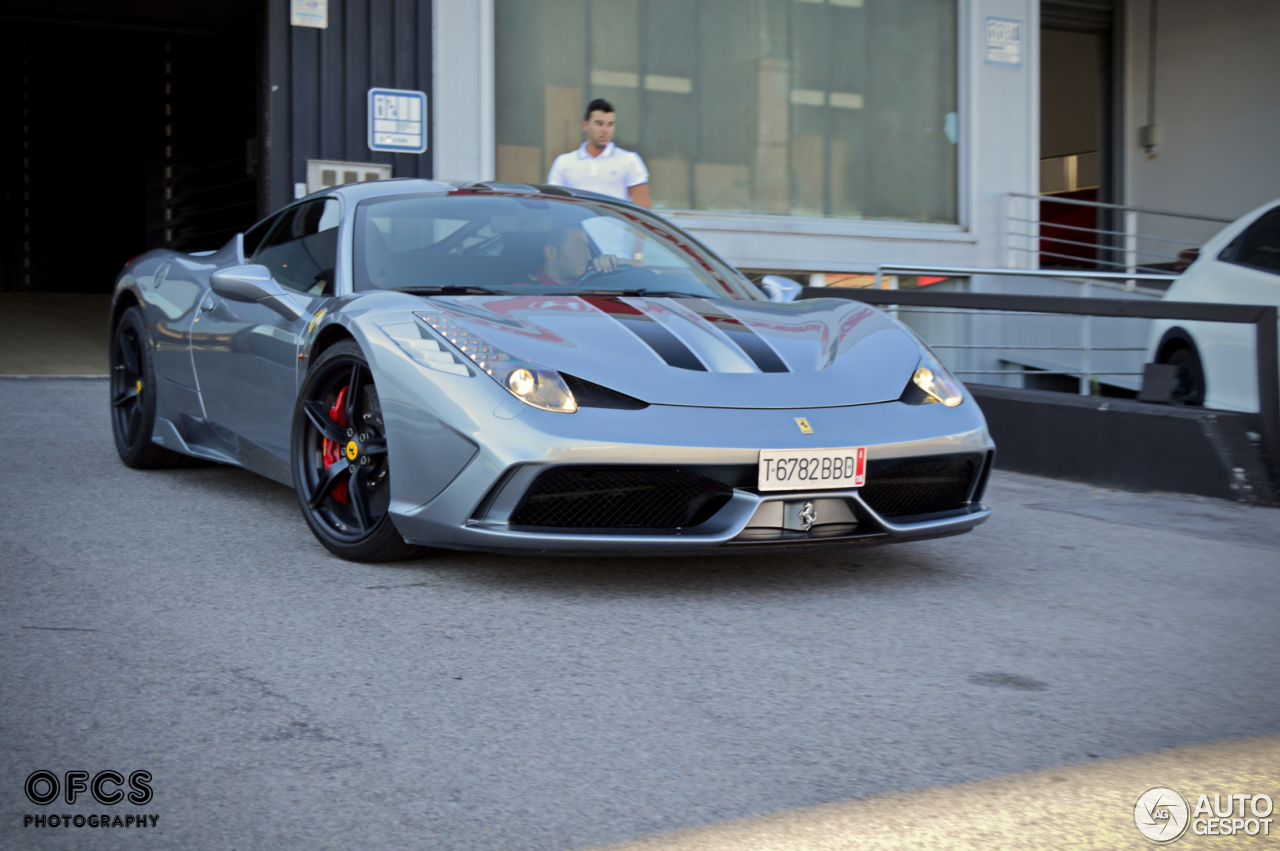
x: 1247, y: 271
x: 246, y: 354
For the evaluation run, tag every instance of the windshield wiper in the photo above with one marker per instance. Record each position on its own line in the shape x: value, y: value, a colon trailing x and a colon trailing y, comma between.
x: 447, y: 289
x: 641, y: 293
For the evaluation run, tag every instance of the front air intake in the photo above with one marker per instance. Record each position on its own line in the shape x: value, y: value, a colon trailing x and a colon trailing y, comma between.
x: 918, y: 486
x: 626, y: 497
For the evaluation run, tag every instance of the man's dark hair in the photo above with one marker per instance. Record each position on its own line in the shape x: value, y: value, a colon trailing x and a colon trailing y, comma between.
x: 560, y: 232
x: 597, y: 105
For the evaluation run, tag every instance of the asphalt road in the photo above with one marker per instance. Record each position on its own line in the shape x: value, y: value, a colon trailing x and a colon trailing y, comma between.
x: 186, y: 623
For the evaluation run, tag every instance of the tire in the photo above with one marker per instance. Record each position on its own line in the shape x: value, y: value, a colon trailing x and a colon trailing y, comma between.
x: 337, y: 425
x: 133, y: 395
x: 1189, y: 387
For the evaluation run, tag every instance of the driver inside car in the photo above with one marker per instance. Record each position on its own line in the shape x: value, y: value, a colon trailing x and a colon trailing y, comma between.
x: 566, y: 257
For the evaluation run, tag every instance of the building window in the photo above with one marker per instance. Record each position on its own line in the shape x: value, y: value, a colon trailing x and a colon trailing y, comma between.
x: 842, y: 108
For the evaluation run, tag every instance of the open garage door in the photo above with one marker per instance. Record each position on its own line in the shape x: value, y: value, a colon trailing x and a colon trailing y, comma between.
x: 138, y: 130
x: 1078, y: 144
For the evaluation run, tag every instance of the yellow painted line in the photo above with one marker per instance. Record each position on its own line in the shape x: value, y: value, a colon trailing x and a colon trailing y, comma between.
x: 1087, y: 806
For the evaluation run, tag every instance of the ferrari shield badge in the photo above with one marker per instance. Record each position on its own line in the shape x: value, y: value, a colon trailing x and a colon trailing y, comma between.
x: 805, y: 428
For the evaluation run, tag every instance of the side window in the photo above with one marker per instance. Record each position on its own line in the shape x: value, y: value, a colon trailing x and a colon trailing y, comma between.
x: 1259, y: 245
x: 253, y: 236
x: 302, y: 250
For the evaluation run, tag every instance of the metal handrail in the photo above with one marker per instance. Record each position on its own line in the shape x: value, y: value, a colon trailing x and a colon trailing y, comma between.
x: 985, y: 346
x: 1086, y: 373
x: 1060, y: 240
x: 1102, y: 262
x: 969, y: 271
x: 1136, y: 267
x: 1092, y: 230
x: 1127, y: 209
x: 1032, y: 233
x: 1037, y: 372
x: 1262, y: 317
x: 1065, y: 241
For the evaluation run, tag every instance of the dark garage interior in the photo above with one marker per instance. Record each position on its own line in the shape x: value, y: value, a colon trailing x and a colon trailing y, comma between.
x: 134, y: 127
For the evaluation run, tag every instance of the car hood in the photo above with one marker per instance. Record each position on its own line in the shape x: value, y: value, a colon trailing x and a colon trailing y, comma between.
x: 700, y: 351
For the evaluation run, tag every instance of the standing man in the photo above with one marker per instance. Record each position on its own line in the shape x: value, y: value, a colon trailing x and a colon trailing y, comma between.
x: 601, y: 166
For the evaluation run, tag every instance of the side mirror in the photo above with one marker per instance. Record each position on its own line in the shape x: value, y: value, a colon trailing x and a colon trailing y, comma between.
x: 254, y: 284
x: 779, y: 288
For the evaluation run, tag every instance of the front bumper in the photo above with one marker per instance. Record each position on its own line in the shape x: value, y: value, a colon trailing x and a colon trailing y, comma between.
x: 472, y: 512
x: 731, y: 530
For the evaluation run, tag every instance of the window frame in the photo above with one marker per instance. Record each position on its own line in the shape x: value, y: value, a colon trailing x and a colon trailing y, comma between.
x: 269, y: 222
x: 1231, y: 254
x: 968, y: 34
x: 286, y: 215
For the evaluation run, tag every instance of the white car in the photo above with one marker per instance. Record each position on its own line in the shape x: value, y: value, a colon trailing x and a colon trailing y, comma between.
x: 1216, y: 360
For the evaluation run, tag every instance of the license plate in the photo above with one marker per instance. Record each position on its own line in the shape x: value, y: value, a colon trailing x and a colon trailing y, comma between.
x: 812, y: 469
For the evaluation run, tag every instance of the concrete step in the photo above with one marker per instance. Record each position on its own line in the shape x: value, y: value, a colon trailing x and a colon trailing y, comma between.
x: 1127, y: 444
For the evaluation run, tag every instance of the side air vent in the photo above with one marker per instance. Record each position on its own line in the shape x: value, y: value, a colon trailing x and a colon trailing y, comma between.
x: 591, y: 395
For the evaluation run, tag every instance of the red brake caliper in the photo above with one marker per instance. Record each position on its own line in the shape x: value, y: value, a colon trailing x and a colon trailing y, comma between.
x: 333, y: 451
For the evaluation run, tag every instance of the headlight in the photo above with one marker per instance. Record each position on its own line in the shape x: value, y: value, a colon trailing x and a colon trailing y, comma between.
x: 932, y: 383
x: 532, y: 384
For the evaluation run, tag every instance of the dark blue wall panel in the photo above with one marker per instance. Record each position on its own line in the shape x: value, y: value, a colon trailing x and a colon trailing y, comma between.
x: 318, y: 81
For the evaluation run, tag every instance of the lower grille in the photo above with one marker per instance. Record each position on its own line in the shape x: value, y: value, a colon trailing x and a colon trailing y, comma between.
x: 619, y: 497
x: 919, y: 486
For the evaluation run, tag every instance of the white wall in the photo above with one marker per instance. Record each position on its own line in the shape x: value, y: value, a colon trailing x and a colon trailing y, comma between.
x: 1004, y: 129
x: 1217, y: 106
x: 462, y: 89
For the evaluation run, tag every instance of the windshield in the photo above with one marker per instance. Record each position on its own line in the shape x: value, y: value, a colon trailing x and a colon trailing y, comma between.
x: 530, y: 244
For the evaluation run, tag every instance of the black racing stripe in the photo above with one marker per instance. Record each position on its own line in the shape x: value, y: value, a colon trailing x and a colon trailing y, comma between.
x: 760, y: 352
x: 650, y: 331
x: 757, y: 349
x: 666, y: 344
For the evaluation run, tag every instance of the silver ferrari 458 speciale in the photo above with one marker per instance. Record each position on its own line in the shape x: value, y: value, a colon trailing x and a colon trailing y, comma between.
x: 512, y: 368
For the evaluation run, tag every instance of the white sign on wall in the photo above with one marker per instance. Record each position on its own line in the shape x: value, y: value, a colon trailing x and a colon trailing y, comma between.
x: 1004, y: 41
x: 397, y: 121
x: 323, y: 174
x: 309, y: 13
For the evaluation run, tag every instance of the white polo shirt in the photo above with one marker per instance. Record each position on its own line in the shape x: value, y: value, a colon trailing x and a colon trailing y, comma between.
x: 614, y: 172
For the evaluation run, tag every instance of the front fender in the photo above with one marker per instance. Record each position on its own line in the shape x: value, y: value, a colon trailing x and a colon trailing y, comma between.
x: 433, y: 419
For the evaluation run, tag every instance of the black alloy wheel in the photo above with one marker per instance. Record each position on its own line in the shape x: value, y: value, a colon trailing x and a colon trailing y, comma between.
x: 1189, y: 386
x: 340, y: 466
x: 133, y: 395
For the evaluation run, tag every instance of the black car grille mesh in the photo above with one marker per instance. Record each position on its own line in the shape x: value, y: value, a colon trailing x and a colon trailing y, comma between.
x: 619, y: 497
x: 919, y: 487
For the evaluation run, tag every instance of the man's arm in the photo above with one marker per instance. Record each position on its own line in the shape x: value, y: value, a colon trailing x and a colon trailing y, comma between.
x: 640, y: 195
x: 556, y: 176
x: 638, y: 182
